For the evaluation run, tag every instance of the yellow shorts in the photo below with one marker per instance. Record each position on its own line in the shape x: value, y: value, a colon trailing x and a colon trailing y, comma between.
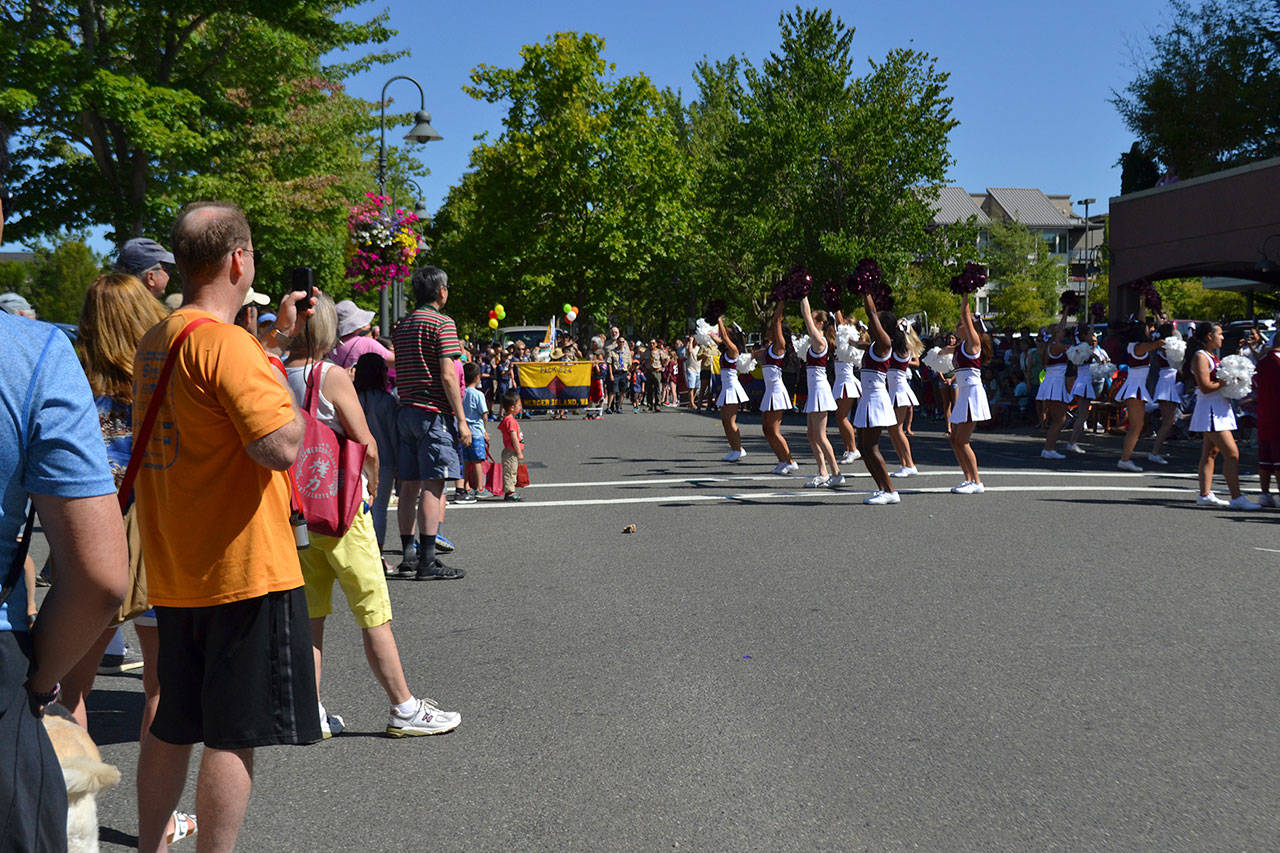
x: 355, y: 562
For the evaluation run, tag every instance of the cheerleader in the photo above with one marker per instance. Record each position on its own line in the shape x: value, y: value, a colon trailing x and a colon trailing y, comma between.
x: 1053, y: 390
x: 1213, y: 418
x: 907, y: 348
x: 820, y: 400
x: 776, y: 402
x: 1167, y: 394
x: 971, y: 404
x: 847, y: 389
x: 1133, y: 393
x: 875, y: 406
x: 1082, y: 390
x: 732, y: 393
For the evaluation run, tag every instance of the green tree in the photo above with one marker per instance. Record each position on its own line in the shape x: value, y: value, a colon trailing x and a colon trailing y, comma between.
x: 1187, y: 298
x: 117, y: 106
x: 1207, y: 95
x: 1024, y: 276
x: 60, y: 277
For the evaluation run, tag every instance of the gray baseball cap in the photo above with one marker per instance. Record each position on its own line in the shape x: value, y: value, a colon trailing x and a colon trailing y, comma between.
x: 140, y: 254
x: 13, y: 303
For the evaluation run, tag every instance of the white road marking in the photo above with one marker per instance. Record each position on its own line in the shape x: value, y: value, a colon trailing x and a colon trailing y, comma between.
x: 1269, y: 550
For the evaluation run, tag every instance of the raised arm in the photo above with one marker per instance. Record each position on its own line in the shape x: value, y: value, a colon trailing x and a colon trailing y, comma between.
x: 775, y: 327
x: 968, y: 329
x: 880, y: 337
x: 729, y: 349
x: 815, y: 333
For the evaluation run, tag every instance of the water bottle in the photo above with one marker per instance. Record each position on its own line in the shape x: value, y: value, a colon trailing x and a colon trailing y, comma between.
x: 299, y: 524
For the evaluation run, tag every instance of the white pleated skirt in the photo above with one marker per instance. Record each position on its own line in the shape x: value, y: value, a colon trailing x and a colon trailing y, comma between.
x: 1083, y: 386
x: 1054, y: 386
x: 847, y: 385
x: 971, y: 398
x: 875, y: 408
x: 1167, y: 385
x: 820, y: 398
x: 1212, y: 413
x: 776, y: 398
x: 900, y: 389
x: 1135, y: 385
x: 731, y: 390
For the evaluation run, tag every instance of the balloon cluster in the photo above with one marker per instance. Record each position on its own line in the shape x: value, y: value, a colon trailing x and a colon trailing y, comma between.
x: 570, y: 312
x: 496, y: 313
x: 714, y: 310
x: 1070, y: 302
x: 868, y: 279
x: 794, y: 285
x: 972, y: 278
x: 831, y: 295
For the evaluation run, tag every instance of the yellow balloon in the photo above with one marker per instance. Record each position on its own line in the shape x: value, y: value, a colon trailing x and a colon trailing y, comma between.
x: 493, y: 324
x: 498, y: 308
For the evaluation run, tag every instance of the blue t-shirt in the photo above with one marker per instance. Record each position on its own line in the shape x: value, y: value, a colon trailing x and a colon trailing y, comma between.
x: 50, y: 443
x: 475, y: 409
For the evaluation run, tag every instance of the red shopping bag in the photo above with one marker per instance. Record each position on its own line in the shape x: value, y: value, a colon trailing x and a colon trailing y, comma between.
x: 327, y: 470
x: 491, y: 474
x: 522, y: 476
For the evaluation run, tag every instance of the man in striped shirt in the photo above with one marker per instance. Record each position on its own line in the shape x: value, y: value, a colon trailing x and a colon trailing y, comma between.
x: 431, y: 422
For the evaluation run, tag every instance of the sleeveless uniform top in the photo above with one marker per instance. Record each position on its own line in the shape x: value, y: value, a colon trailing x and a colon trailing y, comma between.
x: 771, y: 360
x: 1137, y: 360
x: 897, y: 362
x: 964, y: 361
x: 811, y: 360
x: 870, y: 362
x: 1051, y: 359
x: 1161, y: 362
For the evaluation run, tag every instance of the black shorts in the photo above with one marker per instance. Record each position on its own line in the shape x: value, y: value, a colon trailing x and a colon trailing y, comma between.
x: 33, y: 798
x: 237, y: 675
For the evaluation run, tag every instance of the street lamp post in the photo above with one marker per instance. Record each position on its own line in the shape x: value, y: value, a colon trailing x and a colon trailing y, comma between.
x: 422, y: 132
x: 419, y: 210
x: 1087, y: 263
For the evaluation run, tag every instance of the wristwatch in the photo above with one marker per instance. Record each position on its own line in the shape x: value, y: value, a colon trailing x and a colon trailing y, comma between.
x: 286, y: 340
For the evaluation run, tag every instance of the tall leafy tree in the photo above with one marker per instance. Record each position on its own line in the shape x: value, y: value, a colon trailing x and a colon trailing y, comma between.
x: 1026, y: 277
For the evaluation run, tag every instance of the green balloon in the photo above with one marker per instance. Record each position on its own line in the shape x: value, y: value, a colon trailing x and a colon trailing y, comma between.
x: 502, y: 315
x: 567, y: 308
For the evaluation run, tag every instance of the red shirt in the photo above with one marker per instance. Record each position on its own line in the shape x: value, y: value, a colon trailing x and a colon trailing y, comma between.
x: 512, y: 438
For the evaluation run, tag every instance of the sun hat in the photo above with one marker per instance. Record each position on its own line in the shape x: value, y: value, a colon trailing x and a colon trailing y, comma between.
x: 351, y: 318
x: 253, y: 297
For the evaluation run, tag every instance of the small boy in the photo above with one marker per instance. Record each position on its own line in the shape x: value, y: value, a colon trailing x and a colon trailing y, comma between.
x: 512, y: 444
x: 474, y: 409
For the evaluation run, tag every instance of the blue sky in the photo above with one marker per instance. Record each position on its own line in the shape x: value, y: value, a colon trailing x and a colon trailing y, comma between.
x: 1031, y: 82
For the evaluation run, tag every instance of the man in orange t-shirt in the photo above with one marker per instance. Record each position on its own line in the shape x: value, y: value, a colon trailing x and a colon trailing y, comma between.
x: 235, y: 664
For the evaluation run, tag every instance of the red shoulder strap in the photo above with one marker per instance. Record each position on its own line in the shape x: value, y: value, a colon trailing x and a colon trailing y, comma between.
x: 143, y: 435
x: 311, y: 400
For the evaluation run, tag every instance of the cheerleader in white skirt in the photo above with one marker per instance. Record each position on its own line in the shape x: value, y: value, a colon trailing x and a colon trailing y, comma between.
x: 907, y: 348
x: 732, y: 394
x: 776, y: 402
x: 820, y: 400
x: 1213, y: 418
x: 848, y: 388
x: 1082, y: 392
x: 1168, y: 394
x: 971, y: 404
x: 1134, y: 393
x: 1053, y: 390
x: 875, y: 406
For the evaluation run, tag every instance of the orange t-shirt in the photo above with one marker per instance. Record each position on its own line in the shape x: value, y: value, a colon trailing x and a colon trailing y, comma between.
x: 215, y: 524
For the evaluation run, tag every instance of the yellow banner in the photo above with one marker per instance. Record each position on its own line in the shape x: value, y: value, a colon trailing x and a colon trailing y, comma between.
x: 554, y: 384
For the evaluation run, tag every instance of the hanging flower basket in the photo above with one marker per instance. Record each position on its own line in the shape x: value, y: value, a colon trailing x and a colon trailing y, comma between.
x: 384, y: 243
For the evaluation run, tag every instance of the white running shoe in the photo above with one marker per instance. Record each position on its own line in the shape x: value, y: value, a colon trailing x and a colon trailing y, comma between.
x: 741, y: 454
x: 732, y: 456
x: 882, y: 498
x: 1051, y: 454
x: 1157, y: 459
x: 850, y: 456
x: 1128, y: 465
x: 1074, y: 448
x: 816, y: 483
x: 1267, y: 499
x: 426, y: 719
x: 835, y: 481
x: 330, y: 724
x: 1211, y: 500
x: 969, y: 488
x: 780, y: 468
x: 959, y: 490
x: 905, y: 471
x: 791, y: 468
x: 1243, y: 502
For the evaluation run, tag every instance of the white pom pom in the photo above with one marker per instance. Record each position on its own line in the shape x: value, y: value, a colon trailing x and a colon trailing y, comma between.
x: 1236, y: 375
x: 746, y: 363
x: 801, y: 345
x: 939, y: 362
x: 1100, y: 371
x: 1080, y: 353
x: 846, y: 344
x: 1175, y: 349
x: 702, y: 333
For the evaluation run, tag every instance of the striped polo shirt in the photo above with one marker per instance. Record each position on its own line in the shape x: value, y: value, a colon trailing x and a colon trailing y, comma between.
x: 421, y: 340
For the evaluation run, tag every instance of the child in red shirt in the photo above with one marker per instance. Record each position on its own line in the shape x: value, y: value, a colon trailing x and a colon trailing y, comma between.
x: 512, y: 444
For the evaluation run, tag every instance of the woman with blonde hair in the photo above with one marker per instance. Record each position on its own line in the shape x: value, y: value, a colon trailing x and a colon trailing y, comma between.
x: 118, y: 310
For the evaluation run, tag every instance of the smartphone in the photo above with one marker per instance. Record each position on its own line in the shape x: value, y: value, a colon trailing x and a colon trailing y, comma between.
x: 304, y: 281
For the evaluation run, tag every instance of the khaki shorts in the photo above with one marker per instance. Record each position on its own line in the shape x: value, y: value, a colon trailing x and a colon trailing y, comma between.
x: 355, y: 562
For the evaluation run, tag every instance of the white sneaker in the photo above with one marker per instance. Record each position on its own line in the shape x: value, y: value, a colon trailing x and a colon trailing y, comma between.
x: 1243, y: 502
x: 780, y: 468
x: 330, y: 724
x: 816, y: 483
x: 1074, y: 448
x: 1267, y: 499
x: 882, y: 498
x: 791, y: 468
x: 960, y: 489
x: 1157, y: 459
x: 1211, y: 500
x: 905, y: 471
x: 835, y: 481
x: 731, y: 456
x: 426, y: 719
x: 1128, y: 465
x: 969, y: 489
x: 1051, y: 454
x: 850, y: 456
x: 741, y: 454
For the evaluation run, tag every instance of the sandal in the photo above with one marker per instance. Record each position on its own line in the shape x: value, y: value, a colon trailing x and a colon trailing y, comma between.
x: 184, y: 826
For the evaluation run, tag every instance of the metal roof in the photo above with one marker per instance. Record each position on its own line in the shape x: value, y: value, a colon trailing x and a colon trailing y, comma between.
x: 956, y: 205
x: 1031, y: 207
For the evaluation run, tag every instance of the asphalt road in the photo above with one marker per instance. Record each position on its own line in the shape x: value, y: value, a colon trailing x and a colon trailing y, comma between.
x: 1079, y: 659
